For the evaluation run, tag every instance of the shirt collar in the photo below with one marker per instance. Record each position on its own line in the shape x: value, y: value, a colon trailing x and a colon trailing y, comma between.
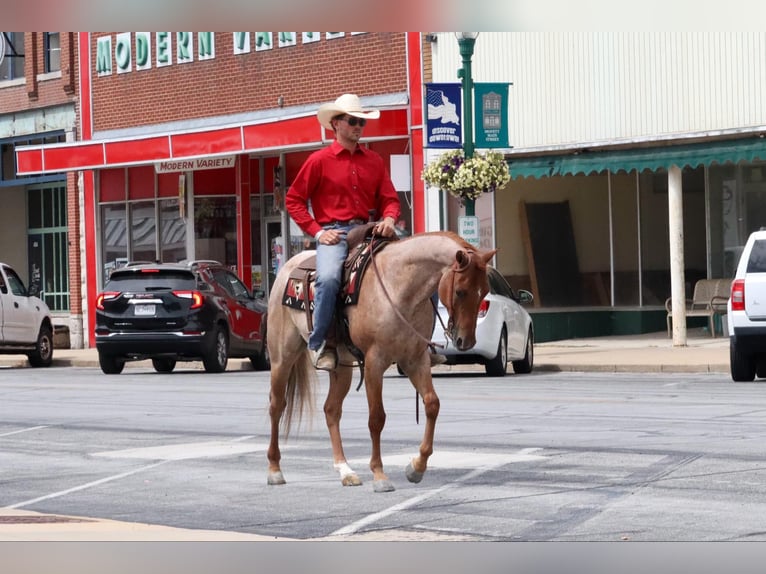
x: 337, y: 149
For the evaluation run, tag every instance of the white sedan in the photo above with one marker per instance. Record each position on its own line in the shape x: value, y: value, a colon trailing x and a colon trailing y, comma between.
x: 504, y: 331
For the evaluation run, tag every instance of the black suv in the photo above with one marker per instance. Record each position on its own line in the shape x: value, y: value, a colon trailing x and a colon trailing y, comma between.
x: 171, y: 312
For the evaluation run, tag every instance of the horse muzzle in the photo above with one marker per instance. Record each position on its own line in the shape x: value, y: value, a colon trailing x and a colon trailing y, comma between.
x: 462, y: 342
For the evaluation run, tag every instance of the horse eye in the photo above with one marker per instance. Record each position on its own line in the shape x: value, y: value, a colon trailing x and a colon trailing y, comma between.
x: 460, y: 293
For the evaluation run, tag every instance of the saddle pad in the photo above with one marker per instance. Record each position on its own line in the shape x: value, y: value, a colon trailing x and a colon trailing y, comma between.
x: 294, y: 291
x: 355, y: 266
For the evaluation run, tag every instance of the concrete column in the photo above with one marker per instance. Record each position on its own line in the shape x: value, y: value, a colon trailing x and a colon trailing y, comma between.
x: 676, y: 233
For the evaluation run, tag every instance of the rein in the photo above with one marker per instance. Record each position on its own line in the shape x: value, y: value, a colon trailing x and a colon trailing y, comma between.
x: 401, y: 317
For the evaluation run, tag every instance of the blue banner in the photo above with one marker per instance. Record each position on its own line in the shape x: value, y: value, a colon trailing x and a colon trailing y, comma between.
x: 444, y: 113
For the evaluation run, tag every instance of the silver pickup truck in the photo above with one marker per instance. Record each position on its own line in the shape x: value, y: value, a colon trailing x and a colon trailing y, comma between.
x: 25, y: 321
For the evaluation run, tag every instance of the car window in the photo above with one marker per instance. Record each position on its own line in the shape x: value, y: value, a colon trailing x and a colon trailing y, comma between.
x: 757, y: 261
x: 163, y: 280
x: 15, y: 283
x: 3, y: 287
x: 499, y: 286
x: 231, y: 283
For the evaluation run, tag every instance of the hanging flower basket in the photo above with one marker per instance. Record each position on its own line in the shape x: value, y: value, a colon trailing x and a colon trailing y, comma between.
x: 467, y: 178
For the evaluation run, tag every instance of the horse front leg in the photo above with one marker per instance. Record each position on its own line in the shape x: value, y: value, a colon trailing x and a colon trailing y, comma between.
x: 373, y: 382
x: 423, y: 384
x: 340, y: 383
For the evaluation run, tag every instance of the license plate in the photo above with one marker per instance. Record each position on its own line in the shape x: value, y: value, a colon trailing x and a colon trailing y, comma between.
x: 144, y: 309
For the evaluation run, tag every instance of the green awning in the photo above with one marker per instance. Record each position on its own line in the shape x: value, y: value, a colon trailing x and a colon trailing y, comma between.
x: 588, y: 162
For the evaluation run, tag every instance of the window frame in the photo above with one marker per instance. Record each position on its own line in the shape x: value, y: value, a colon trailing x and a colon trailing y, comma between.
x: 47, y: 51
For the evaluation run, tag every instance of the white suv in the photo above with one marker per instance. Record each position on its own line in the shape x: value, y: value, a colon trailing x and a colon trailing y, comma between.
x: 747, y: 311
x: 25, y: 321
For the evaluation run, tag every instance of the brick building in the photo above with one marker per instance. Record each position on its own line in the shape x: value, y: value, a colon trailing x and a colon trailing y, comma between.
x: 40, y: 217
x: 188, y: 141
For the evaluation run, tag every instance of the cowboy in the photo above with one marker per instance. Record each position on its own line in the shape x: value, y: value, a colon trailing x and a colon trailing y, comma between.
x: 336, y: 189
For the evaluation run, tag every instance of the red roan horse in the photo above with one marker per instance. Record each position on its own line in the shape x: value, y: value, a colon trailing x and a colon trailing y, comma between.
x: 403, y: 277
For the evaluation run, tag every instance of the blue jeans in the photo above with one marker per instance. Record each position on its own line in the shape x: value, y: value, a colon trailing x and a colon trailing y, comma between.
x: 330, y: 259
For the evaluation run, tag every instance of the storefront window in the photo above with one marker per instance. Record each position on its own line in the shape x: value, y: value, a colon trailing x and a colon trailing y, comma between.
x: 172, y: 231
x: 114, y: 236
x: 143, y: 231
x: 215, y: 229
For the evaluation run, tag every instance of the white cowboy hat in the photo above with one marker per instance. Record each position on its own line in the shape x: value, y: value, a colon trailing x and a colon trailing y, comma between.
x: 346, y: 104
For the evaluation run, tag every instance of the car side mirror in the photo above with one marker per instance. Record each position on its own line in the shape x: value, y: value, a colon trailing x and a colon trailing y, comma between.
x: 525, y: 296
x: 34, y: 290
x: 259, y: 294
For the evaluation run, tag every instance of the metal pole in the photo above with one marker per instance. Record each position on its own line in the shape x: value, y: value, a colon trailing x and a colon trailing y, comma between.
x: 466, y: 52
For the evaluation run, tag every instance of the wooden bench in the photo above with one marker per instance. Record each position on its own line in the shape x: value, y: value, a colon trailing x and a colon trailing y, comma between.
x: 708, y: 300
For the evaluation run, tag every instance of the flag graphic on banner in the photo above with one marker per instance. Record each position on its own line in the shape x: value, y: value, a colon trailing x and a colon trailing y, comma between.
x: 444, y: 115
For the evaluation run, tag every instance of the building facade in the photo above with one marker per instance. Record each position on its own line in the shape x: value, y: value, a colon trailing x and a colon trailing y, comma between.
x: 190, y: 140
x: 40, y: 216
x: 601, y: 126
x: 636, y: 158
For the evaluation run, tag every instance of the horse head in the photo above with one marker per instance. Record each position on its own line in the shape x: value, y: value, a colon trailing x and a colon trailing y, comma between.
x: 462, y: 288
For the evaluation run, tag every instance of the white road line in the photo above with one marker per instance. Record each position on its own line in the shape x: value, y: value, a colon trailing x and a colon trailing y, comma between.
x: 86, y: 486
x: 354, y: 527
x: 114, y: 477
x: 23, y: 430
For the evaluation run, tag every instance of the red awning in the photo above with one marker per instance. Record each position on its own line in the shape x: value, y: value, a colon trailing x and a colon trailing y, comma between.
x: 262, y: 137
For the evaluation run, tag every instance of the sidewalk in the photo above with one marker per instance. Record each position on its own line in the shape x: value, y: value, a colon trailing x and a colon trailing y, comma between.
x: 653, y: 352
x: 650, y: 352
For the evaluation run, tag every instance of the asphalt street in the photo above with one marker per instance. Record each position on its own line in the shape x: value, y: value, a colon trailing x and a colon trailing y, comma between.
x: 545, y: 457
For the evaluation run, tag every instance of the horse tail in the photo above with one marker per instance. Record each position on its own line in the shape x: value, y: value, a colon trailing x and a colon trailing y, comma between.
x: 300, y: 392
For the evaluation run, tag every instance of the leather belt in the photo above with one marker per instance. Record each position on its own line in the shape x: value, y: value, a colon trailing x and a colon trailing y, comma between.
x: 344, y: 223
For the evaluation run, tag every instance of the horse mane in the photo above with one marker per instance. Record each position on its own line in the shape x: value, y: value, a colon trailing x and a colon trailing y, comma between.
x: 451, y: 235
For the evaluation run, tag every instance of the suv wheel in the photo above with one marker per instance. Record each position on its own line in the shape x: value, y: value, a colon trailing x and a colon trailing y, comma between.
x: 261, y: 361
x: 216, y: 359
x: 742, y: 365
x: 110, y: 365
x: 164, y: 364
x: 42, y: 356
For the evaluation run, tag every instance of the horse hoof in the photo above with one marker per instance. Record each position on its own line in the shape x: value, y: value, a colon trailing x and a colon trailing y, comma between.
x: 412, y: 474
x: 275, y: 478
x: 351, y: 480
x: 383, y: 486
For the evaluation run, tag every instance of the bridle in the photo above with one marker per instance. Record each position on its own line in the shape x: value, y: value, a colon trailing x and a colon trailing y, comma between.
x: 455, y: 268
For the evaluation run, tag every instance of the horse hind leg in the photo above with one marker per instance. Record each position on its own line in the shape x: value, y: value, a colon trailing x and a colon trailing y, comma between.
x: 291, y: 382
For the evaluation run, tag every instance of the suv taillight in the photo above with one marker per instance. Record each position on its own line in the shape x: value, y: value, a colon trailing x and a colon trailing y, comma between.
x: 483, y: 308
x: 195, y: 296
x: 738, y: 295
x: 106, y: 295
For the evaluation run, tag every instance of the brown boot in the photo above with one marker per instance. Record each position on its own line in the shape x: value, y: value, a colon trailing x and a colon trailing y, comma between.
x: 324, y: 358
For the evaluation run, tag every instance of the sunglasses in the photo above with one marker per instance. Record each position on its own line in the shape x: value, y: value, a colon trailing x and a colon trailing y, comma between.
x: 353, y: 122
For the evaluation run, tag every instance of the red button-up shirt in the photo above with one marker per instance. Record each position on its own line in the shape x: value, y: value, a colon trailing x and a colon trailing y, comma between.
x: 340, y: 186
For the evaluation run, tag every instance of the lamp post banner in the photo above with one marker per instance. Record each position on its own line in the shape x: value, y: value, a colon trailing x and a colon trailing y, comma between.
x: 444, y: 124
x: 491, y: 115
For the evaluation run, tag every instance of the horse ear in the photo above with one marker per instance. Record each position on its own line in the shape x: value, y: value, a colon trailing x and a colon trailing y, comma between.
x: 488, y: 255
x: 462, y: 259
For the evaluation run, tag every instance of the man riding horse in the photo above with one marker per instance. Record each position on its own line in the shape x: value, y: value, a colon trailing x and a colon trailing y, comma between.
x: 336, y: 189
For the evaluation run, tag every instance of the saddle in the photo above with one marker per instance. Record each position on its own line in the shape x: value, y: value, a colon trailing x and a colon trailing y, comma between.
x: 299, y: 290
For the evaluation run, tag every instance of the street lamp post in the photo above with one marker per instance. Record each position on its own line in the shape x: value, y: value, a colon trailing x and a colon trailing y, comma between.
x: 466, y: 41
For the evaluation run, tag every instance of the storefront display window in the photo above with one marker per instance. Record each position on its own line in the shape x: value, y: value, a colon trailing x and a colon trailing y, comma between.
x: 172, y: 231
x: 143, y: 231
x: 114, y: 236
x: 215, y: 229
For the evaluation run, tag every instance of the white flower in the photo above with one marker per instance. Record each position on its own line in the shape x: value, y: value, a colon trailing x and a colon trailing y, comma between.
x: 467, y: 179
